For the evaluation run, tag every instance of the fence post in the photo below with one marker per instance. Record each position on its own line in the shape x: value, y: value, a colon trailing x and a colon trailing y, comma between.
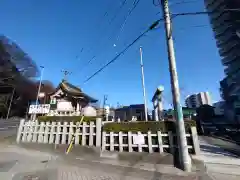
x: 139, y: 145
x: 98, y: 132
x: 70, y: 132
x: 120, y: 141
x: 111, y: 141
x: 41, y: 132
x: 57, y: 139
x: 20, y: 129
x: 103, y: 141
x: 29, y: 131
x: 150, y: 142
x: 91, y: 133
x: 130, y: 142
x: 52, y: 133
x: 24, y: 136
x: 35, y: 132
x: 160, y: 143
x: 84, y: 134
x: 171, y: 142
x: 77, y: 133
x: 195, y: 140
x: 64, y: 133
x: 46, y: 133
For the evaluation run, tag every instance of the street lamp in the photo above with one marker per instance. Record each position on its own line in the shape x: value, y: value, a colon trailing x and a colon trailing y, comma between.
x: 13, y: 92
x: 39, y: 89
x: 10, y: 105
x: 40, y: 83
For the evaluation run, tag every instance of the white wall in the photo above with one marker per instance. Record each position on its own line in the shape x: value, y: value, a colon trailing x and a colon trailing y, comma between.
x: 89, y: 111
x: 64, y: 105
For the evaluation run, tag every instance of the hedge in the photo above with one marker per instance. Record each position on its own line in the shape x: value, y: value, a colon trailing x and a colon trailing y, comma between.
x: 65, y: 118
x: 144, y: 127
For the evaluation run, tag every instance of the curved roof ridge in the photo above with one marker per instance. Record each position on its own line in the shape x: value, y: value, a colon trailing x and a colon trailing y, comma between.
x: 70, y: 87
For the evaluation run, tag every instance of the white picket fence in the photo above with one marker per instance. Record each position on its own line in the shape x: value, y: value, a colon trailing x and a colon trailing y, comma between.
x: 60, y: 133
x: 91, y: 134
x: 154, y: 142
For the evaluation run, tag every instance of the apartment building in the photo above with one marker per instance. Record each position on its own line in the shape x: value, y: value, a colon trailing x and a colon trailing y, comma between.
x: 196, y: 100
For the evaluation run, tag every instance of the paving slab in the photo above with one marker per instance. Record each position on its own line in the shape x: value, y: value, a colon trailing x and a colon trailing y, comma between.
x: 219, y: 163
x: 33, y: 164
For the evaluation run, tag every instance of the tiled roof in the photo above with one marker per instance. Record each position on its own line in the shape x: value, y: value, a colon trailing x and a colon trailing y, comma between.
x: 74, y: 91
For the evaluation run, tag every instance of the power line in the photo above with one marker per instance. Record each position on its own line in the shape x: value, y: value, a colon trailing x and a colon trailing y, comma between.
x: 101, y: 20
x: 135, y: 4
x: 183, y: 2
x: 124, y: 50
x: 120, y: 8
x: 94, y: 57
x: 110, y: 22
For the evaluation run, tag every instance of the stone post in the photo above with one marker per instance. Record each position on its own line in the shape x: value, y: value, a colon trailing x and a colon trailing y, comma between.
x: 196, y: 145
x: 160, y: 107
x: 20, y: 128
x: 155, y: 110
x: 78, y: 109
x: 157, y: 103
x: 98, y: 132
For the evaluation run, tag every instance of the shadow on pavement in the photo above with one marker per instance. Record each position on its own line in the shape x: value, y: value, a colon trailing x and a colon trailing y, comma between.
x: 225, y: 145
x: 216, y: 150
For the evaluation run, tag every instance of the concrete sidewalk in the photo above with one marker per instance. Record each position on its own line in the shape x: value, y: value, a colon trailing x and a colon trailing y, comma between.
x: 19, y: 163
x: 220, y: 164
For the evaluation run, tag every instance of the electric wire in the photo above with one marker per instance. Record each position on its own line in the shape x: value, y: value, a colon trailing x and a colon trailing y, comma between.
x: 184, y: 2
x: 110, y: 22
x: 135, y: 4
x: 124, y: 50
x: 117, y: 12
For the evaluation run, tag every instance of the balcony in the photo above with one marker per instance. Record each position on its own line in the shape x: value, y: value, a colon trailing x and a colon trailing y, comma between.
x: 221, y: 19
x: 228, y: 60
x: 228, y: 46
x: 231, y: 52
x: 222, y: 40
x: 232, y: 68
x: 212, y: 5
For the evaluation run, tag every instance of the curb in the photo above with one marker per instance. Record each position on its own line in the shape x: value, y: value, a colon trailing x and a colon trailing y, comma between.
x: 224, y: 139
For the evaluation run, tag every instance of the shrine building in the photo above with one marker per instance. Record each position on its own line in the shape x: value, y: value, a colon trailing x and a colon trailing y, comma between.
x: 69, y: 100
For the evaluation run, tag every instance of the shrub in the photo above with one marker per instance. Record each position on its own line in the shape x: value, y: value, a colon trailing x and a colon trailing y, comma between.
x: 144, y: 126
x: 65, y: 118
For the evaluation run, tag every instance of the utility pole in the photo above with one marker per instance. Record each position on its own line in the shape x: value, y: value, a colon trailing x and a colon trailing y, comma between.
x: 143, y: 86
x: 39, y: 89
x: 65, y: 74
x: 104, y: 104
x: 182, y: 141
x: 10, y: 104
x: 40, y: 84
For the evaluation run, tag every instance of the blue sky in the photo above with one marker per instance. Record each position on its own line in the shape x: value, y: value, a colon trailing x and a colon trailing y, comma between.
x: 63, y: 34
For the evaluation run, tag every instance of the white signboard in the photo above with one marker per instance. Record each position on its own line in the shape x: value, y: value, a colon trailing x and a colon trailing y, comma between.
x: 138, y: 139
x: 64, y: 106
x: 39, y: 109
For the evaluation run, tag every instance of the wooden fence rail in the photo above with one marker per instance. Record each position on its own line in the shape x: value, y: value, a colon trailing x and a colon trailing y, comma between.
x: 153, y: 142
x: 60, y: 133
x: 91, y: 134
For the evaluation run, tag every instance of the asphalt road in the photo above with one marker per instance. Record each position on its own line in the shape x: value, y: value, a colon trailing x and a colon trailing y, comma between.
x: 226, y: 145
x: 8, y: 128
